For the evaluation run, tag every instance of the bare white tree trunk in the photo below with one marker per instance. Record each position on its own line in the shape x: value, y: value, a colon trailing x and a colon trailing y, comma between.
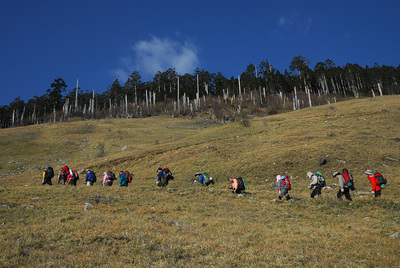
x: 177, y: 99
x: 240, y: 88
x: 126, y: 105
x: 76, y: 95
x: 380, y: 89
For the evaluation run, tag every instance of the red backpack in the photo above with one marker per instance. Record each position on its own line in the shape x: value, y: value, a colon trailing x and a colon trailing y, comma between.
x: 347, y: 177
x: 286, y: 183
x: 65, y: 169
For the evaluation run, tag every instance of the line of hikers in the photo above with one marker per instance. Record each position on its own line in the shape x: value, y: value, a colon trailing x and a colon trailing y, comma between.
x: 238, y: 185
x: 67, y: 176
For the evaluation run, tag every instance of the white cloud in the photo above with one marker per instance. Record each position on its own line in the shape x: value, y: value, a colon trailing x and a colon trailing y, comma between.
x: 156, y: 54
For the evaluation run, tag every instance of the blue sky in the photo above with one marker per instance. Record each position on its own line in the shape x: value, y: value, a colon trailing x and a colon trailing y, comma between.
x: 99, y: 41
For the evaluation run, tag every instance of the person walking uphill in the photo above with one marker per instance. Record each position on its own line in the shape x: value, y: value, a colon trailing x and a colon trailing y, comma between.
x: 284, y: 186
x: 90, y: 177
x: 344, y: 189
x: 237, y: 185
x: 162, y: 178
x: 48, y: 174
x: 204, y: 178
x: 377, y: 182
x: 317, y: 182
x: 124, y: 178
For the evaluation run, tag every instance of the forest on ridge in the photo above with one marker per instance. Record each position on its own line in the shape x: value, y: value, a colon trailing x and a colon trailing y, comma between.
x: 259, y: 90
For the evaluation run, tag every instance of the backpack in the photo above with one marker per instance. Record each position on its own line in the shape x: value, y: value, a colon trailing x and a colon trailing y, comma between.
x: 127, y: 176
x: 91, y: 176
x: 348, y: 178
x: 49, y: 173
x: 168, y: 173
x: 111, y: 176
x: 242, y: 185
x: 286, y: 183
x: 65, y: 169
x: 321, y: 180
x: 206, y: 177
x: 75, y: 175
x: 380, y: 179
x: 74, y: 178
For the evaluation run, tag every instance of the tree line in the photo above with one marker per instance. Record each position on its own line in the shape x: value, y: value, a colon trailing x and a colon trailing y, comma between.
x: 258, y: 90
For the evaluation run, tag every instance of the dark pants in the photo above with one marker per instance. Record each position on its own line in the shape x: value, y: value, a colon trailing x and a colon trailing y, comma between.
x: 72, y: 182
x: 47, y: 181
x: 208, y: 183
x: 316, y: 191
x: 63, y: 178
x: 345, y: 193
x: 377, y: 193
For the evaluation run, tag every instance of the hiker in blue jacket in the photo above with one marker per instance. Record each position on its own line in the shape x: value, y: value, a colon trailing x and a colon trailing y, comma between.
x: 204, y: 179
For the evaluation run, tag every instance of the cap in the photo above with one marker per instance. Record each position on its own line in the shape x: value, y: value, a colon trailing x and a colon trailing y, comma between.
x: 197, y: 173
x: 335, y: 173
x: 309, y: 174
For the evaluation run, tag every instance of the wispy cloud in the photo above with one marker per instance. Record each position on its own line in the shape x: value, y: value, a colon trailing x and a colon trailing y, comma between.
x: 296, y: 21
x: 157, y: 54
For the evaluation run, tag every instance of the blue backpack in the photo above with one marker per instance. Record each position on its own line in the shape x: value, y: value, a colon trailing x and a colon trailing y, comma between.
x: 91, y: 176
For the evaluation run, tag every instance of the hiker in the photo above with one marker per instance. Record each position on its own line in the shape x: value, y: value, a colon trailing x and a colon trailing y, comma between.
x: 90, y: 177
x: 344, y: 188
x: 48, y: 174
x: 162, y: 179
x: 237, y: 186
x: 108, y: 178
x: 317, y: 182
x: 377, y: 182
x: 124, y: 178
x: 63, y: 174
x: 284, y: 186
x: 204, y: 178
x: 72, y: 177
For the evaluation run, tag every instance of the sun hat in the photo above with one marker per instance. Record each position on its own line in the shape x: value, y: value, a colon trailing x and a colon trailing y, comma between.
x: 197, y: 173
x: 309, y: 174
x: 369, y: 172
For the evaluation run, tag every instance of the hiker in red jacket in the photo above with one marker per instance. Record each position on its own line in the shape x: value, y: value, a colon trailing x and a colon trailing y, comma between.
x: 376, y: 189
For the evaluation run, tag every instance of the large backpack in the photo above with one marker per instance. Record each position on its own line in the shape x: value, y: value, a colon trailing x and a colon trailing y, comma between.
x: 206, y: 177
x: 286, y: 183
x: 127, y: 176
x: 74, y: 178
x: 168, y: 173
x: 348, y: 178
x: 92, y: 176
x: 111, y: 176
x: 380, y: 179
x: 65, y: 169
x: 321, y: 180
x: 49, y: 173
x: 242, y: 185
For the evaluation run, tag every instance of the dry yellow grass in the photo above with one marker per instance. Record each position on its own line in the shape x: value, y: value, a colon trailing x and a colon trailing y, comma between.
x: 186, y: 225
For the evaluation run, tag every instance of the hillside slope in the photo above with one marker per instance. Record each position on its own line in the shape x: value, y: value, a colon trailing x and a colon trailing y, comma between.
x: 187, y: 225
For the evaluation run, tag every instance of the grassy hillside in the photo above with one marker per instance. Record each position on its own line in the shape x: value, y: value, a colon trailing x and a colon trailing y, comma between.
x: 188, y: 225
